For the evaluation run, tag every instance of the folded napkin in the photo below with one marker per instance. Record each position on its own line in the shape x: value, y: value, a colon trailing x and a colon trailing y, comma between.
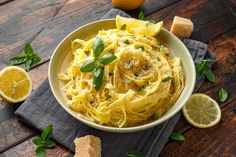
x: 41, y: 109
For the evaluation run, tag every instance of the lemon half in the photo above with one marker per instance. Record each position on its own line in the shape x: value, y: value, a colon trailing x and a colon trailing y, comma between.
x: 202, y: 111
x: 139, y: 26
x: 15, y: 84
x: 127, y: 4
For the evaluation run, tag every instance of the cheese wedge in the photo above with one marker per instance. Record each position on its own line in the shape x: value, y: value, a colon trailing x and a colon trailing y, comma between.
x: 182, y: 27
x: 88, y: 146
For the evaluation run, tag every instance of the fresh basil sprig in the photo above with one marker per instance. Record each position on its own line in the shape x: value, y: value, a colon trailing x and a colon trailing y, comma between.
x: 223, y: 95
x: 134, y: 153
x: 204, y: 69
x: 177, y: 136
x: 44, y: 141
x: 29, y: 58
x: 142, y: 17
x: 97, y: 65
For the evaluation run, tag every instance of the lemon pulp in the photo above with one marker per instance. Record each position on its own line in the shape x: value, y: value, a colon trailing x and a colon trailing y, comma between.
x: 15, y: 84
x: 139, y: 26
x: 202, y: 111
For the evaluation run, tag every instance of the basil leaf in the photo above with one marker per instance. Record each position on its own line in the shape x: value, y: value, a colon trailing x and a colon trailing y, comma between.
x: 209, y: 75
x: 168, y: 78
x: 28, y: 64
x: 107, y: 58
x: 177, y: 136
x: 207, y: 62
x: 134, y: 153
x: 36, y: 59
x: 19, y: 59
x: 49, y: 144
x: 39, y: 142
x: 199, y: 66
x: 88, y: 66
x: 223, y: 95
x: 47, y: 132
x: 29, y: 58
x: 40, y: 152
x: 126, y: 41
x: 29, y: 50
x: 98, y: 47
x: 151, y: 21
x: 199, y: 75
x: 141, y: 90
x: 123, y: 27
x: 142, y: 48
x: 204, y: 68
x: 141, y: 16
x: 98, y: 77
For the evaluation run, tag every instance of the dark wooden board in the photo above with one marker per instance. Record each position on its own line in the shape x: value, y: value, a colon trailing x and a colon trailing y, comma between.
x: 24, y: 23
x: 209, y: 17
x: 218, y: 141
x: 45, y: 23
x: 27, y: 149
x: 44, y: 26
x: 57, y: 18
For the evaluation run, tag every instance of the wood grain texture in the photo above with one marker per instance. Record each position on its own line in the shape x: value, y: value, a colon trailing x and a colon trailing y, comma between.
x: 209, y: 17
x: 27, y: 149
x: 225, y: 70
x: 218, y: 141
x: 45, y: 23
x: 23, y: 23
x: 2, y: 2
x: 13, y: 132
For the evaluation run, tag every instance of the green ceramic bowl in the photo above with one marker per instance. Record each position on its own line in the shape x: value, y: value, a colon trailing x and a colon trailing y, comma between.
x: 61, y: 58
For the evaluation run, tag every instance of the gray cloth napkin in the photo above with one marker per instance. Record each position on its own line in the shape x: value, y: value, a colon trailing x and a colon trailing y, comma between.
x: 41, y: 109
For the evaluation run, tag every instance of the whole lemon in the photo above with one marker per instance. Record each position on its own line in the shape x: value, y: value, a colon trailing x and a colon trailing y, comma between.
x: 127, y: 4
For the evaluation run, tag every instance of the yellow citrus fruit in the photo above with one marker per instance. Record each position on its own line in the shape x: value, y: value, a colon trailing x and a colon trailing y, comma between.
x: 127, y: 4
x: 202, y: 111
x: 139, y: 26
x: 15, y: 84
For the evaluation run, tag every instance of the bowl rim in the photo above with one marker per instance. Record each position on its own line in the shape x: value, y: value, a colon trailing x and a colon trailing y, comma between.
x: 117, y: 129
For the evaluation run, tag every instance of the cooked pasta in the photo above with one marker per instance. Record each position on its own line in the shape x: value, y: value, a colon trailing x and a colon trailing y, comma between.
x: 143, y: 82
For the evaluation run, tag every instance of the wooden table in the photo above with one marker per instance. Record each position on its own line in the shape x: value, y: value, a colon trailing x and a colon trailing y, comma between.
x: 45, y: 23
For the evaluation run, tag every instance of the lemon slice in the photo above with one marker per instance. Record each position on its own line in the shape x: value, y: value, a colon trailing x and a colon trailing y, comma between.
x: 15, y: 84
x: 202, y: 111
x: 139, y: 26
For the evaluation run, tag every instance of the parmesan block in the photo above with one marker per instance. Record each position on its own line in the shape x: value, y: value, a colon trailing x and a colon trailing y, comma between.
x: 88, y: 146
x: 181, y: 27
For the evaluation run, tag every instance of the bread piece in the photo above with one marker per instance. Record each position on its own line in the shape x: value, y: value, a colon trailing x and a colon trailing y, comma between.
x: 182, y: 27
x: 88, y: 146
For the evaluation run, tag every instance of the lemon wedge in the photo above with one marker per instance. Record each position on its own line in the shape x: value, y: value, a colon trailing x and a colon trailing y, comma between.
x: 202, y: 111
x: 15, y: 84
x: 138, y: 26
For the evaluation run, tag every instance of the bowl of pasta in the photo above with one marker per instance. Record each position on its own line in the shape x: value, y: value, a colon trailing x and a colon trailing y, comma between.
x: 121, y: 75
